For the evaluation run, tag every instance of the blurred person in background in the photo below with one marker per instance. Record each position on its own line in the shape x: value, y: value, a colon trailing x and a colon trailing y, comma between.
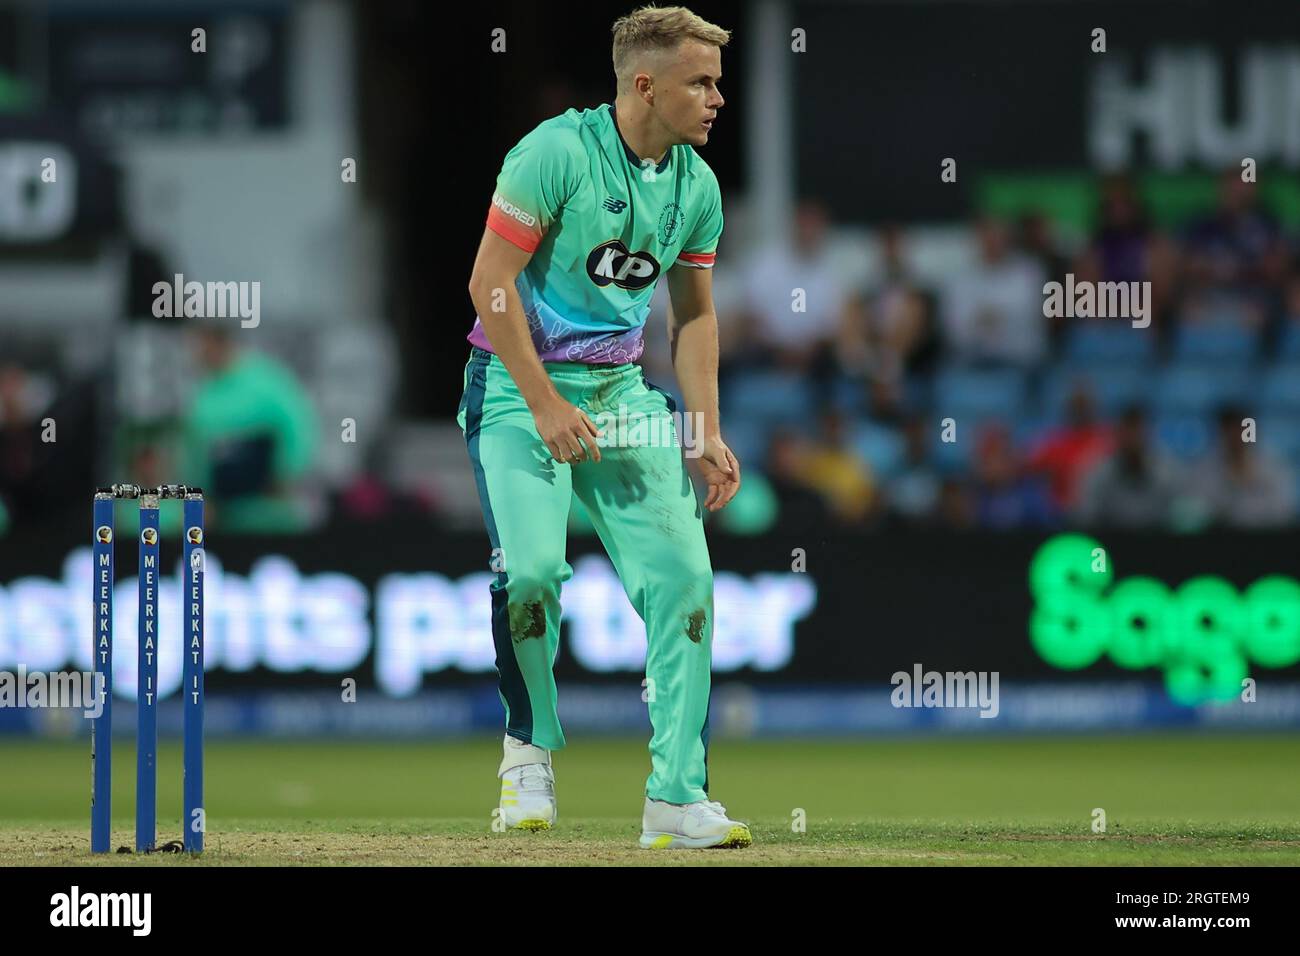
x: 148, y: 453
x: 1005, y: 495
x: 877, y: 435
x: 912, y: 492
x: 956, y: 504
x: 46, y: 444
x: 1288, y: 337
x: 1135, y: 486
x: 992, y: 311
x: 1125, y: 247
x: 1036, y: 238
x: 824, y: 469
x: 250, y: 434
x: 893, y: 332
x: 1242, y: 485
x: 801, y: 342
x: 1235, y: 258
x: 1069, y: 451
x: 799, y: 506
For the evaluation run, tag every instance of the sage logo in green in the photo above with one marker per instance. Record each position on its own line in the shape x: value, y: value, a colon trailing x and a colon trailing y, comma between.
x: 1204, y: 633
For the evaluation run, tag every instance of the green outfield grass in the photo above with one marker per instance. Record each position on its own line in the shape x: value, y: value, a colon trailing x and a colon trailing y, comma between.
x: 1169, y: 800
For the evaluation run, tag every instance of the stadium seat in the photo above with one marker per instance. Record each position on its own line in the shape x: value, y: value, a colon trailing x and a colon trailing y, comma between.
x: 918, y: 391
x: 1280, y: 388
x: 1109, y: 342
x: 880, y: 445
x: 1215, y: 343
x: 775, y: 398
x: 975, y: 394
x: 1279, y: 431
x: 1112, y: 387
x: 1027, y: 431
x: 846, y: 396
x: 1184, y: 435
x: 954, y: 456
x: 1288, y: 343
x: 1200, y: 388
x: 747, y: 438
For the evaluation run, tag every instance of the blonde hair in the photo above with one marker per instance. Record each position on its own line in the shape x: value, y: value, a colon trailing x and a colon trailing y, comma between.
x: 658, y: 29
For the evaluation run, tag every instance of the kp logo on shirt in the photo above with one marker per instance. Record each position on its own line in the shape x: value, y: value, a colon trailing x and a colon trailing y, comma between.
x: 612, y: 262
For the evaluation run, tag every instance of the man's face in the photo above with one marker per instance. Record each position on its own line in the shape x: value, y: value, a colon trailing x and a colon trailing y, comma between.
x: 686, y: 91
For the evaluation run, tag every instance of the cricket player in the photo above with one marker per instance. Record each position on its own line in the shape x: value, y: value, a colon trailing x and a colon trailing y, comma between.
x: 590, y: 209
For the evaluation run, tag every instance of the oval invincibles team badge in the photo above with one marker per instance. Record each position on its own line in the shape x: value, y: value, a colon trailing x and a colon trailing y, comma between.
x: 670, y: 223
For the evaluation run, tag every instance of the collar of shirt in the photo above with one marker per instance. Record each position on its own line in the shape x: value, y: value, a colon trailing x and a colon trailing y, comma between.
x: 632, y: 157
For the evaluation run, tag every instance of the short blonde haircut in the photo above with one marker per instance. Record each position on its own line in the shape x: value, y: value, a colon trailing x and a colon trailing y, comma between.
x: 658, y: 29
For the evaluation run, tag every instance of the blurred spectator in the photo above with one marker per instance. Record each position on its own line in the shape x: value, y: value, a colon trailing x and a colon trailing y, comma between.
x: 956, y: 509
x: 1236, y: 257
x: 1243, y: 485
x: 1036, y: 238
x: 800, y: 505
x: 913, y: 490
x: 799, y: 341
x: 250, y: 433
x: 46, y: 443
x: 894, y: 331
x: 993, y: 310
x: 1004, y: 495
x: 148, y: 451
x: 1135, y: 486
x: 1126, y: 248
x: 877, y: 437
x: 829, y: 468
x: 1288, y: 339
x: 1067, y: 453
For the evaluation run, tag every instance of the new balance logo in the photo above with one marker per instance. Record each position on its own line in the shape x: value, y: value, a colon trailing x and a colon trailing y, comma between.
x: 614, y: 205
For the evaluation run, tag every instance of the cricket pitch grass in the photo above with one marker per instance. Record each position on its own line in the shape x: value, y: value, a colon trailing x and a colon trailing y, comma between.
x: 1169, y: 800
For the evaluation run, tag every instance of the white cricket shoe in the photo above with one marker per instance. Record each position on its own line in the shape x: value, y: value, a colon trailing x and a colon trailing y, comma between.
x: 690, y: 826
x: 527, y: 786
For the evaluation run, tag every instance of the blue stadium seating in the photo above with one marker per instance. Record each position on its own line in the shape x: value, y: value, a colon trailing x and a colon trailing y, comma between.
x: 1184, y: 435
x: 747, y: 439
x: 1112, y: 387
x: 1288, y: 344
x: 1109, y: 341
x: 1199, y: 388
x: 881, y: 447
x: 969, y: 394
x: 1215, y: 343
x: 954, y: 456
x: 774, y: 398
x: 1279, y: 430
x: 1280, y: 388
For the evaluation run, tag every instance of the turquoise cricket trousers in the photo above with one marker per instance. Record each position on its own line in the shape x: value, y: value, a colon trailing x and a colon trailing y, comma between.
x: 643, y: 505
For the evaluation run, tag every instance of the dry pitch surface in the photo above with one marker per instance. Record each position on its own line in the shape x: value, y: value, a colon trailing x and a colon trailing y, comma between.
x: 1169, y: 800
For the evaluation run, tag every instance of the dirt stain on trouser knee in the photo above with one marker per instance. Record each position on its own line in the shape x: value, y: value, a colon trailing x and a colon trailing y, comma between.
x: 527, y: 620
x: 695, y: 626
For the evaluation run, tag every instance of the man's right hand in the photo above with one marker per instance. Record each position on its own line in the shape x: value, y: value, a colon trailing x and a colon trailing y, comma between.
x: 569, y: 434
